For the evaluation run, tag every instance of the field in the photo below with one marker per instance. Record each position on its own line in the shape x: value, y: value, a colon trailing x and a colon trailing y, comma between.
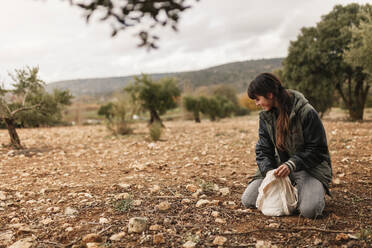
x: 73, y: 181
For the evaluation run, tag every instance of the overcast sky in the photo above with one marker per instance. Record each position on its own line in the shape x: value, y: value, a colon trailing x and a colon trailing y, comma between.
x: 54, y: 36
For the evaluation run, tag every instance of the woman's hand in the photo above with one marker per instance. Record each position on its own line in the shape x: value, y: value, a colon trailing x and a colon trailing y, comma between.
x: 282, y: 171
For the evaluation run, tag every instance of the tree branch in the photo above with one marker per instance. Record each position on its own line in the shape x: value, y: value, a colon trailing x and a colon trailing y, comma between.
x: 24, y: 109
x: 287, y: 230
x: 5, y: 106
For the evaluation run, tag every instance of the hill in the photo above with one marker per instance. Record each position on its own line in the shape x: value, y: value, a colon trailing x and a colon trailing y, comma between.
x: 237, y: 74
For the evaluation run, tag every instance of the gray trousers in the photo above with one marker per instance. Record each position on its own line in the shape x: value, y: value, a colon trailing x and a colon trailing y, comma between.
x: 310, y: 194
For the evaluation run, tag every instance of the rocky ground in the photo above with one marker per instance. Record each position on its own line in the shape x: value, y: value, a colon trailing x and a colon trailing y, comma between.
x: 82, y: 187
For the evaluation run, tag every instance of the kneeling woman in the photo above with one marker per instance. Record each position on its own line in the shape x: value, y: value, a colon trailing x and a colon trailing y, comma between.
x: 292, y: 141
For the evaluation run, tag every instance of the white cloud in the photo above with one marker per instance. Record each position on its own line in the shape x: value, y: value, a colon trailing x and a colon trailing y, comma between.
x: 55, y: 36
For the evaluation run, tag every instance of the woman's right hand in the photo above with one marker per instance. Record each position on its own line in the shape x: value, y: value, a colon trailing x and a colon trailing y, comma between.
x: 282, y: 171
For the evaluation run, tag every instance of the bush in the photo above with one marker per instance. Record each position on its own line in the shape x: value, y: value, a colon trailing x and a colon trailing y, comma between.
x: 241, y: 111
x: 117, y: 116
x: 106, y: 110
x: 216, y: 107
x: 155, y: 131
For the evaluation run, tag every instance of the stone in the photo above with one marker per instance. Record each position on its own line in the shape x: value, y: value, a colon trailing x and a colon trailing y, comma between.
x: 197, y: 193
x: 274, y: 225
x: 215, y: 214
x: 137, y: 225
x: 229, y: 204
x: 158, y: 238
x: 201, y: 203
x: 167, y: 221
x: 103, y: 220
x: 23, y: 243
x: 191, y: 188
x: 219, y: 240
x: 220, y: 221
x: 6, y: 237
x: 122, y: 196
x: 185, y: 201
x: 318, y: 241
x: 70, y: 211
x: 155, y: 228
x: 2, y: 196
x: 264, y: 244
x: 92, y: 238
x: 117, y: 236
x: 137, y: 203
x: 189, y: 244
x: 163, y: 206
x: 46, y: 221
x: 124, y: 185
x: 224, y: 191
x: 337, y: 181
x: 14, y: 220
x: 155, y: 188
x: 93, y: 245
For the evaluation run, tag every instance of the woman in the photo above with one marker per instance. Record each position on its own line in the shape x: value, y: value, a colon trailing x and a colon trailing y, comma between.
x: 292, y: 141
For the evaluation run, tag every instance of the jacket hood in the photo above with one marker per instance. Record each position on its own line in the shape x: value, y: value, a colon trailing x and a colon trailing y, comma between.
x: 299, y: 101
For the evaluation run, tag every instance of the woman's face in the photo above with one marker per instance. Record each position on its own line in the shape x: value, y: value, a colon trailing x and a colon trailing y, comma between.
x: 266, y: 103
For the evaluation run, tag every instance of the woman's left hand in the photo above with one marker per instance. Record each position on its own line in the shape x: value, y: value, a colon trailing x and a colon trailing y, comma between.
x: 282, y: 171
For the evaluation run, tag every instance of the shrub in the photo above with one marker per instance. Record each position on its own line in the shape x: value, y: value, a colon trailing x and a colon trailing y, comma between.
x: 246, y: 102
x: 216, y: 107
x: 123, y: 205
x: 156, y: 130
x: 117, y: 116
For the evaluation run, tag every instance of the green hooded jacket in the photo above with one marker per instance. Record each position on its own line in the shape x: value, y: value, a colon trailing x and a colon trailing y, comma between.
x: 306, y: 145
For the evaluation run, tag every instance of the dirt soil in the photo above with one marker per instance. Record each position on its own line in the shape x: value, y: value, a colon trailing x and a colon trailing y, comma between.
x: 74, y: 181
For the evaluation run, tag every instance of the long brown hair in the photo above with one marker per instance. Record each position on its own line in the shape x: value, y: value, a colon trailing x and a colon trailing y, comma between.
x: 264, y: 84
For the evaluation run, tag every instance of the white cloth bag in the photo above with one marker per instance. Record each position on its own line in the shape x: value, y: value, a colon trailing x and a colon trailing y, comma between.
x: 276, y: 196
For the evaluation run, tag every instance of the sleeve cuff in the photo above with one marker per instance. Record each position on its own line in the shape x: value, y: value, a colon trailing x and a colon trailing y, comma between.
x: 291, y: 165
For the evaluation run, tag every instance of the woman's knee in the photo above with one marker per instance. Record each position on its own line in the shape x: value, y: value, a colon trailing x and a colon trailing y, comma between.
x: 311, y: 211
x: 250, y: 194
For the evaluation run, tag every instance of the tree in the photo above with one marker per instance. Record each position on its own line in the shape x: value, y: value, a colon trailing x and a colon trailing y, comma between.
x: 155, y: 97
x: 107, y: 110
x: 128, y: 14
x: 27, y: 103
x: 49, y: 112
x: 316, y: 63
x: 216, y: 107
x: 226, y: 91
x: 359, y: 54
x: 192, y: 104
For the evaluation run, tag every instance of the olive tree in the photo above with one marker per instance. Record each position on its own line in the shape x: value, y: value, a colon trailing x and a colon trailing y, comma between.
x: 28, y: 104
x: 155, y: 97
x: 316, y: 61
x: 192, y: 104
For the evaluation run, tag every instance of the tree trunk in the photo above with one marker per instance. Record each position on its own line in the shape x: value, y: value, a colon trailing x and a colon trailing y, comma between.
x: 154, y: 117
x: 14, y: 138
x: 355, y: 99
x: 356, y: 114
x: 196, y: 116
